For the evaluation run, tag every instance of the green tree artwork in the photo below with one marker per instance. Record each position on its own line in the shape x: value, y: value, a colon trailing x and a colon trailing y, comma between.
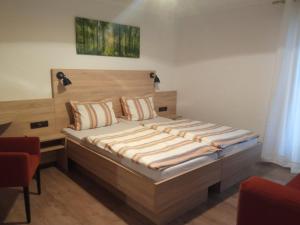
x: 95, y: 37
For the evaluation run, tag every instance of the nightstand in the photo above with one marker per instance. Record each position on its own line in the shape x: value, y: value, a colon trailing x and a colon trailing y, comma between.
x: 53, y: 150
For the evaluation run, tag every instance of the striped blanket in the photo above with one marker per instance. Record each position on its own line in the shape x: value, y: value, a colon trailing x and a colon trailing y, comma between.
x: 151, y: 148
x: 211, y: 134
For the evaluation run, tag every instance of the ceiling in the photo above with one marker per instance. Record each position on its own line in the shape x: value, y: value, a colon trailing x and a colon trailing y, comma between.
x: 194, y: 6
x: 184, y: 7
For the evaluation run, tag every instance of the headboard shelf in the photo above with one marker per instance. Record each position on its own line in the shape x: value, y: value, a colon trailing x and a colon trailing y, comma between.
x: 23, y: 112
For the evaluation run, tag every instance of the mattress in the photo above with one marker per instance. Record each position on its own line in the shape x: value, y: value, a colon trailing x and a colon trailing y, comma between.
x: 156, y: 175
x: 216, y: 135
x: 226, y: 151
x: 230, y: 150
x: 233, y: 149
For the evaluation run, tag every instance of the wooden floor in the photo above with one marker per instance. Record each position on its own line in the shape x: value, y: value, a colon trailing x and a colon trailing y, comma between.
x: 76, y: 200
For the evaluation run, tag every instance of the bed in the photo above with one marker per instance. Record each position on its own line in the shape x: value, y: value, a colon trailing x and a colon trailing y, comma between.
x: 160, y: 201
x: 156, y: 193
x: 154, y: 175
x: 159, y: 196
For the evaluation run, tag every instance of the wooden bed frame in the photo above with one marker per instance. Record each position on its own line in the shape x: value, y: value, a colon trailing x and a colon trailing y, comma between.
x: 162, y: 201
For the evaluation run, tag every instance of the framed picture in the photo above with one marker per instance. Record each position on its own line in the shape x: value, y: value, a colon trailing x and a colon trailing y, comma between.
x: 94, y: 37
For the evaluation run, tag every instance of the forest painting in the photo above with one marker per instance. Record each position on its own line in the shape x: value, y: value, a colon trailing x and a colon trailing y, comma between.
x: 95, y: 37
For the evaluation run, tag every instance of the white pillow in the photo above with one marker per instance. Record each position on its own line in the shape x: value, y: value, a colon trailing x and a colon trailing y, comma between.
x: 90, y: 115
x: 138, y: 108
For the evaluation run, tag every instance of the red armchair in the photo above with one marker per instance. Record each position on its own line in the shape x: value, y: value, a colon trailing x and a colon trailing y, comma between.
x: 262, y: 202
x: 19, y: 162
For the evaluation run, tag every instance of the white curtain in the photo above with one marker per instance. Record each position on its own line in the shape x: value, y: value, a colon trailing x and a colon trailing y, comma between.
x: 282, y: 138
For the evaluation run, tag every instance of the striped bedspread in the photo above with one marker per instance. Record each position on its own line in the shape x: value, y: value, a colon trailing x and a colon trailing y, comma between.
x: 151, y: 148
x: 212, y: 134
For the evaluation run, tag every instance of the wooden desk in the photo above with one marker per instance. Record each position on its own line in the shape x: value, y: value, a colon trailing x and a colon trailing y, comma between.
x: 53, y: 149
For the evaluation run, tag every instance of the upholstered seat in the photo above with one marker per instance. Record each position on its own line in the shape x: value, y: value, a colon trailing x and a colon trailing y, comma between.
x: 262, y: 202
x: 295, y: 183
x: 19, y: 162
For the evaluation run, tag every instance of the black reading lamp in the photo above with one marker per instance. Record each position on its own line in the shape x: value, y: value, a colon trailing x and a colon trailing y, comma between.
x: 61, y: 76
x: 155, y: 77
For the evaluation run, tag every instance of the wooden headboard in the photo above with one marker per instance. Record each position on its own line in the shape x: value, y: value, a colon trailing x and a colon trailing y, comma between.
x: 95, y: 85
x: 87, y: 85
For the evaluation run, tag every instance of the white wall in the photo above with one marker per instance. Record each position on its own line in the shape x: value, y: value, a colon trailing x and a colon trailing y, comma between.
x: 219, y: 55
x: 37, y: 35
x: 225, y: 64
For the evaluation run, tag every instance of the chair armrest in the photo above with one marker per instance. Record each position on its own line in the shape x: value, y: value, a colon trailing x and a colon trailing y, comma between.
x: 14, y: 169
x: 30, y: 145
x: 262, y: 202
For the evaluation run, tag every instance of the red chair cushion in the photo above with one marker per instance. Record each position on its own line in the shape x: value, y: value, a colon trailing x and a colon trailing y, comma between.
x: 34, y: 163
x: 19, y: 159
x: 30, y: 145
x: 262, y: 202
x: 295, y: 183
x: 17, y: 168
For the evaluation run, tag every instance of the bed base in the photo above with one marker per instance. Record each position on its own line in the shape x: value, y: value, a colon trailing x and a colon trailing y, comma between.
x: 161, y: 201
x: 193, y: 201
x: 239, y: 166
